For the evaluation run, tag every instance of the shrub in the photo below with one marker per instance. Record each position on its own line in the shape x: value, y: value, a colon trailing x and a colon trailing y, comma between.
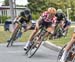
x: 35, y: 15
x: 3, y: 18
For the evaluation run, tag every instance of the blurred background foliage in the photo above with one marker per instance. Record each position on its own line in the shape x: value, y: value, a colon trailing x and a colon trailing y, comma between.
x: 38, y: 6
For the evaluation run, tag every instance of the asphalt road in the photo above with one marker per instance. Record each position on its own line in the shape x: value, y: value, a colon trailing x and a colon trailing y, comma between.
x: 17, y: 54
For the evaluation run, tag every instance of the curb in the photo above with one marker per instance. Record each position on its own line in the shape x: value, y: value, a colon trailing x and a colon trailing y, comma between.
x: 52, y: 46
x: 47, y: 44
x: 15, y: 43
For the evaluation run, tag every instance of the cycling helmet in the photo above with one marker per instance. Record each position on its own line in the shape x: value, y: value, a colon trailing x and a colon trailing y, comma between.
x: 59, y: 11
x: 52, y: 10
x: 27, y: 12
x: 22, y: 13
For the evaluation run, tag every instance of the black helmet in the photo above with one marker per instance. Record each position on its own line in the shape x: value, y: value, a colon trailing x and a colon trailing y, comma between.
x: 22, y: 13
x: 27, y: 12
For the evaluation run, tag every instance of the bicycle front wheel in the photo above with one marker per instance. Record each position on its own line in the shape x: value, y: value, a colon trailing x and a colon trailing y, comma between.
x: 60, y: 53
x: 34, y: 48
x: 13, y: 37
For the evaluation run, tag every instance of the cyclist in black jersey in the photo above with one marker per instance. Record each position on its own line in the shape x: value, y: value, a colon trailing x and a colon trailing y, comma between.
x: 23, y: 20
x: 63, y: 21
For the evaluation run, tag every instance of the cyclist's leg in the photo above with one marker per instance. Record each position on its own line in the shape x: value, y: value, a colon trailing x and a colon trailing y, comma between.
x: 65, y: 30
x: 16, y: 25
x: 30, y: 38
x: 51, y: 30
x: 13, y: 33
x: 67, y: 48
x: 62, y: 23
x: 72, y: 41
x: 32, y: 35
x: 66, y: 26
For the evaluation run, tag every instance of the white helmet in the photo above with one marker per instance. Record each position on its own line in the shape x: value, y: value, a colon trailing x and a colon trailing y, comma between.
x: 59, y: 11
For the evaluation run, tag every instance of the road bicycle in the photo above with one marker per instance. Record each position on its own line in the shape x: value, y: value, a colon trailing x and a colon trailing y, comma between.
x: 36, y: 42
x: 70, y: 56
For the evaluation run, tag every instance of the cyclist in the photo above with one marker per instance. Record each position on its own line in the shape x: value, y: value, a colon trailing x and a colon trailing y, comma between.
x: 67, y: 48
x: 47, y: 20
x: 60, y: 15
x: 62, y: 21
x: 23, y: 19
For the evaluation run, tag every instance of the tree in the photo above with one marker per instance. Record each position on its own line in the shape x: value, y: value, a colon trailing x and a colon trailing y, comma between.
x: 38, y: 6
x: 6, y: 2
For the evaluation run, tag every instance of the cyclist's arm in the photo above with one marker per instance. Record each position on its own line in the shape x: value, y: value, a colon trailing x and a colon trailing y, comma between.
x: 16, y: 22
x: 38, y: 21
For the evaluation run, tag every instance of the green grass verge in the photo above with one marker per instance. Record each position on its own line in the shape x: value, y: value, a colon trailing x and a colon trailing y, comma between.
x: 63, y: 40
x: 4, y: 36
x: 60, y: 41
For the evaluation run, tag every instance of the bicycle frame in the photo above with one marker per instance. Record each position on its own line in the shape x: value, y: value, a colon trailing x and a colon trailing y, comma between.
x: 37, y: 40
x: 70, y: 56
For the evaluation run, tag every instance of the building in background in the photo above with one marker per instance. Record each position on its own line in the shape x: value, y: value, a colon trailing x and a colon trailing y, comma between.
x: 5, y: 10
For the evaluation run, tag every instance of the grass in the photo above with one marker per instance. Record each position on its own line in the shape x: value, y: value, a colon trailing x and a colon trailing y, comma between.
x: 61, y: 41
x: 5, y: 35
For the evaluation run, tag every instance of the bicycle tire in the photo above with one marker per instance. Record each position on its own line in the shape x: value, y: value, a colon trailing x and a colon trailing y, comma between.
x: 32, y: 47
x: 28, y: 49
x: 60, y: 53
x: 38, y: 37
x: 10, y: 42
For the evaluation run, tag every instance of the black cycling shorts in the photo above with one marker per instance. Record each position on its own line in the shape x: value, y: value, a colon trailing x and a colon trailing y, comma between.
x: 45, y: 24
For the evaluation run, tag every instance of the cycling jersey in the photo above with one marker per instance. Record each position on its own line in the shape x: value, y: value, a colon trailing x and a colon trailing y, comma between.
x: 60, y: 16
x: 23, y: 19
x: 46, y: 18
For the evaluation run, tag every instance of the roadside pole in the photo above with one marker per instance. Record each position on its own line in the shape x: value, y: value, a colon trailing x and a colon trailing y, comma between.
x: 11, y: 9
x: 11, y: 27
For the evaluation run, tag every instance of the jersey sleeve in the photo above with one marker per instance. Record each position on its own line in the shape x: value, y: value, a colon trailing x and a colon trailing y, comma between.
x: 54, y: 19
x: 15, y: 20
x: 44, y: 15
